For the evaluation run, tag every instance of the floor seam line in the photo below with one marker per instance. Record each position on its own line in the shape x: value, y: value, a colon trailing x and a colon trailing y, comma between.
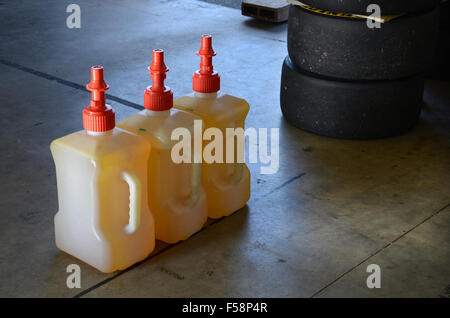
x: 151, y: 256
x: 284, y: 184
x: 107, y: 280
x: 272, y: 39
x: 380, y: 250
x: 66, y: 83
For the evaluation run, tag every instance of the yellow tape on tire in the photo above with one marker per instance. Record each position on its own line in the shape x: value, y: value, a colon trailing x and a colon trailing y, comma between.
x: 382, y: 19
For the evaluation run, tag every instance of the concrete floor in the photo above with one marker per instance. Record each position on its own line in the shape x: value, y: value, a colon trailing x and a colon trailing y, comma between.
x: 359, y: 202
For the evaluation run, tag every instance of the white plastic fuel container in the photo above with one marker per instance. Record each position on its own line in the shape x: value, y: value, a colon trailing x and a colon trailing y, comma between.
x: 101, y: 172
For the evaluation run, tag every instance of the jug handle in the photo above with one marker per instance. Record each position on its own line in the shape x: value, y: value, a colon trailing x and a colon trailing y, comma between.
x: 135, y: 201
x: 196, y: 176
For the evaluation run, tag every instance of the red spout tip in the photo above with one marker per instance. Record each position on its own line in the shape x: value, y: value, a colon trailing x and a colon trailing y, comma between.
x: 158, y: 61
x: 158, y: 97
x: 206, y: 47
x: 97, y: 83
x: 206, y: 80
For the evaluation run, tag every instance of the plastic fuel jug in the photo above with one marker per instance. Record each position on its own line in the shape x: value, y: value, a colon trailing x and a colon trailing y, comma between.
x: 227, y: 185
x: 101, y: 173
x: 175, y: 193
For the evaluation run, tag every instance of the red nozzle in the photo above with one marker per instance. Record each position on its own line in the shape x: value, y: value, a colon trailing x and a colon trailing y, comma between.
x: 158, y: 96
x: 205, y: 80
x: 98, y: 116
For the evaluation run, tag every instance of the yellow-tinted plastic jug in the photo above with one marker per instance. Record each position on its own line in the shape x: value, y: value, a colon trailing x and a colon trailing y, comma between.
x: 227, y: 185
x: 101, y: 172
x: 175, y: 193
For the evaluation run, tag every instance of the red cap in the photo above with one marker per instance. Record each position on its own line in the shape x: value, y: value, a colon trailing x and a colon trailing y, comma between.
x: 98, y: 116
x: 158, y: 96
x: 205, y: 80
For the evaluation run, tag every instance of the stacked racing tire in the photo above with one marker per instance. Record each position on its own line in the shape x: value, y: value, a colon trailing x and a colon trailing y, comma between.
x: 440, y: 66
x: 355, y: 68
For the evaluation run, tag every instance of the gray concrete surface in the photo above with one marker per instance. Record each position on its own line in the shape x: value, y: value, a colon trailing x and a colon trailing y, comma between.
x: 334, y: 207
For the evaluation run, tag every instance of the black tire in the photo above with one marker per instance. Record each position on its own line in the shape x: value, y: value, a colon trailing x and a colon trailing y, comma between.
x: 348, y: 49
x: 444, y: 18
x: 360, y: 6
x: 440, y: 66
x: 346, y: 109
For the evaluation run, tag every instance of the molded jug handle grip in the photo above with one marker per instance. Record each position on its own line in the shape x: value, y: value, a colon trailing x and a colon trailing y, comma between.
x: 196, y: 175
x: 135, y: 201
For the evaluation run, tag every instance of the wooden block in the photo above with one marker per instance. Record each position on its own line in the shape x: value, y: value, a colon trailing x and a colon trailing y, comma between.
x: 267, y: 10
